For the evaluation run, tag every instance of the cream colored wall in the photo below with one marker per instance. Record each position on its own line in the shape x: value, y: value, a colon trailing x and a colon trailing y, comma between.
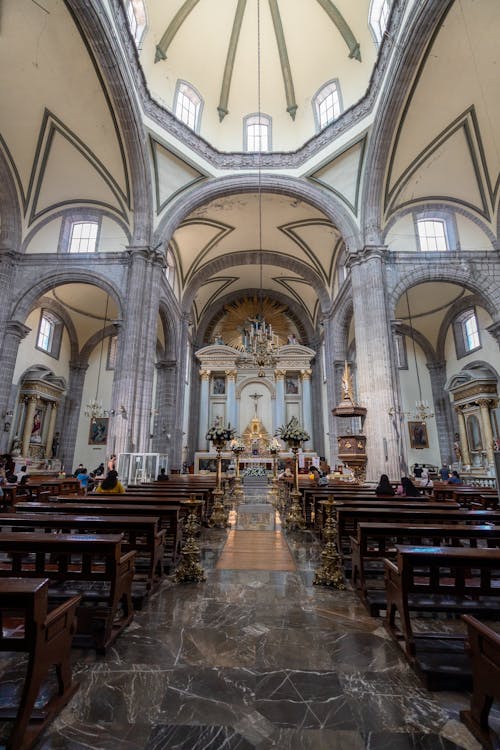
x: 489, y: 351
x: 112, y: 238
x: 401, y: 236
x: 471, y: 236
x: 46, y: 239
x: 28, y: 355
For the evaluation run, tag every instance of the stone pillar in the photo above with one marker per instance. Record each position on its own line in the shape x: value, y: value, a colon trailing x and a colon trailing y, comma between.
x: 71, y: 418
x: 8, y: 263
x: 203, y: 423
x: 280, y: 398
x: 494, y: 330
x: 134, y: 374
x: 13, y: 334
x: 464, y: 445
x: 305, y: 376
x: 376, y: 386
x: 28, y: 424
x: 442, y: 409
x: 164, y: 406
x: 232, y: 417
x: 484, y: 406
x: 51, y: 429
x: 333, y: 347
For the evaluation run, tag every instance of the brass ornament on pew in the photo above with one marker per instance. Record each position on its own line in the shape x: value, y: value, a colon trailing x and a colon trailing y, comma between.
x: 330, y: 571
x: 189, y: 569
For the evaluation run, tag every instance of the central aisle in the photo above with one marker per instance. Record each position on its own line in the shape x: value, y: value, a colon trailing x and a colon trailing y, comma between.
x: 256, y: 550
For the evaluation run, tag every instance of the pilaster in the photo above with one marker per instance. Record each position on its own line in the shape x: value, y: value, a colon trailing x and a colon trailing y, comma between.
x: 13, y: 333
x: 305, y: 376
x: 203, y: 423
x: 72, y: 408
x: 442, y: 409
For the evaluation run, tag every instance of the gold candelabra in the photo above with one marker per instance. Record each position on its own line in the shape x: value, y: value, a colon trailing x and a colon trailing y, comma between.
x: 189, y: 568
x: 219, y: 517
x: 237, y: 448
x: 295, y: 518
x: 330, y: 571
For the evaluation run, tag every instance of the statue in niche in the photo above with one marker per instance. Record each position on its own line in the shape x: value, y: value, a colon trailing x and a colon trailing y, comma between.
x: 16, y: 447
x: 347, y: 392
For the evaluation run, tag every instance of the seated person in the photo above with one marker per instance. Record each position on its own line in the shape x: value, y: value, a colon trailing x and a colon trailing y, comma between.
x: 319, y: 476
x: 384, y: 486
x: 455, y: 478
x: 10, y: 477
x: 111, y: 485
x: 83, y: 477
x: 162, y: 476
x: 99, y: 472
x: 407, y: 488
x: 417, y: 471
x: 22, y: 475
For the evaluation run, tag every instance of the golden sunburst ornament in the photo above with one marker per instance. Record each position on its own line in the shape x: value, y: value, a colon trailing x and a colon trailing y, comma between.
x: 238, y: 317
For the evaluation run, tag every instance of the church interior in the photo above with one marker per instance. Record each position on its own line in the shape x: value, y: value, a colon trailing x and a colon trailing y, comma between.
x: 221, y: 220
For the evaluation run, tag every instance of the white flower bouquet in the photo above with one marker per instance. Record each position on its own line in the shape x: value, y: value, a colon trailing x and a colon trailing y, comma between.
x: 293, y: 432
x: 219, y: 434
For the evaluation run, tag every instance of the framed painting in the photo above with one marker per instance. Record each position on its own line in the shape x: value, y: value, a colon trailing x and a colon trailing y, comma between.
x: 418, y: 435
x: 291, y: 385
x: 219, y: 385
x: 98, y: 432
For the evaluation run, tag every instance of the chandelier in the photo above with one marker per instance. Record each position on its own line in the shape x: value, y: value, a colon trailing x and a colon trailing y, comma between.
x: 94, y: 408
x: 260, y: 342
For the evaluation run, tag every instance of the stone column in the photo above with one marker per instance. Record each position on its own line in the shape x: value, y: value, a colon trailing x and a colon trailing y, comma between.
x: 305, y: 376
x: 51, y: 430
x: 232, y: 416
x: 134, y: 374
x: 374, y: 367
x: 484, y: 406
x: 13, y: 334
x: 464, y: 444
x: 203, y: 423
x: 280, y: 398
x: 28, y: 424
x: 8, y: 264
x: 334, y: 346
x: 71, y: 418
x: 165, y: 405
x: 442, y: 409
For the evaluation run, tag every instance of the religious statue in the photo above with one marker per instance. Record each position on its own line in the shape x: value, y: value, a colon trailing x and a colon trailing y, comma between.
x: 347, y: 392
x: 16, y: 447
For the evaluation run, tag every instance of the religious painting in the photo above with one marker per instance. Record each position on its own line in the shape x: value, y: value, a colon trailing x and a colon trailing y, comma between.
x: 36, y: 427
x: 219, y: 385
x: 418, y: 435
x: 291, y: 385
x: 98, y: 432
x: 474, y: 433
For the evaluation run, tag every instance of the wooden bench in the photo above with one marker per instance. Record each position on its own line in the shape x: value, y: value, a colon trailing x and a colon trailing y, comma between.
x: 483, y: 647
x: 170, y: 516
x: 349, y: 517
x: 437, y: 580
x: 376, y: 541
x: 139, y: 533
x: 94, y: 560
x: 46, y: 638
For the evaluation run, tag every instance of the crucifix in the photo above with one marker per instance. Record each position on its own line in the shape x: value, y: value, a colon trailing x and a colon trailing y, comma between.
x: 255, y: 397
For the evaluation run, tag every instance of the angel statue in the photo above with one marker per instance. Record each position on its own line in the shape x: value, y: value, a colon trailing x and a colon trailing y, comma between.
x: 347, y: 383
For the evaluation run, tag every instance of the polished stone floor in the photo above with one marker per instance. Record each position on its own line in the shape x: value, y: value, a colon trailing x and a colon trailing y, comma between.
x: 252, y: 659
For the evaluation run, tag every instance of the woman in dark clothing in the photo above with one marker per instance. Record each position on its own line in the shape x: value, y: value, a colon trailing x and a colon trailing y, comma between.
x: 408, y: 488
x: 384, y: 486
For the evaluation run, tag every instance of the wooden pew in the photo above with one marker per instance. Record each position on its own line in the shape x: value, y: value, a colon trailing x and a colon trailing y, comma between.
x: 46, y: 638
x: 170, y: 516
x: 451, y: 580
x: 349, y: 517
x: 376, y: 541
x: 139, y: 533
x: 105, y: 609
x: 401, y: 503
x: 483, y: 647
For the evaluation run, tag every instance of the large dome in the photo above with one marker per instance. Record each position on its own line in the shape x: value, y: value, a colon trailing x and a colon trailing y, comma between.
x: 212, y: 46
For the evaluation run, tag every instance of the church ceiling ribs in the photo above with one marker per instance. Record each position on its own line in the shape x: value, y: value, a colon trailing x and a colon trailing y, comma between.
x: 173, y: 28
x: 288, y: 230
x: 160, y: 205
x: 286, y: 283
x: 229, y: 66
x: 291, y: 104
x: 49, y: 127
x: 226, y: 282
x: 224, y: 231
x: 314, y: 176
x: 466, y: 123
x: 338, y: 19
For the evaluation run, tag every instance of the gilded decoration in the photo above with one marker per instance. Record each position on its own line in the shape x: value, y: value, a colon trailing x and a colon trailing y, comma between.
x: 239, y: 315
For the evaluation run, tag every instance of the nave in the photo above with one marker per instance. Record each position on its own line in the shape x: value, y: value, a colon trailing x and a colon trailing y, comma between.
x: 254, y: 658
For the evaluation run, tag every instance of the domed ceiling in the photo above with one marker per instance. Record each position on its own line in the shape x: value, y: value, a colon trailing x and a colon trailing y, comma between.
x: 213, y: 46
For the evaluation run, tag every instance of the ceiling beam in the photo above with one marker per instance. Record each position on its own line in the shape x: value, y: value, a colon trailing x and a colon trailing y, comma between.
x: 173, y: 28
x: 291, y: 104
x: 231, y: 53
x: 338, y: 19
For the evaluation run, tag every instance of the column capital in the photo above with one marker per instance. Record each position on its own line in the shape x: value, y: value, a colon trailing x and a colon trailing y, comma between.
x: 78, y: 366
x: 279, y: 374
x: 486, y: 403
x: 305, y: 374
x: 166, y: 364
x: 439, y: 366
x: 16, y: 328
x: 494, y: 330
x: 205, y: 374
x: 231, y: 374
x: 368, y: 252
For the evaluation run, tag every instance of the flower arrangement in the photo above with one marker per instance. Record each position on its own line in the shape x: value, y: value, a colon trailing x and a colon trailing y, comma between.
x: 274, y: 446
x: 237, y: 445
x: 293, y: 432
x: 219, y: 434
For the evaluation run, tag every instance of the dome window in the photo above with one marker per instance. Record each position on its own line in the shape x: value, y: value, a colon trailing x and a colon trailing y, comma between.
x: 378, y: 18
x: 257, y: 133
x: 188, y: 105
x: 327, y: 104
x: 83, y: 237
x: 136, y: 16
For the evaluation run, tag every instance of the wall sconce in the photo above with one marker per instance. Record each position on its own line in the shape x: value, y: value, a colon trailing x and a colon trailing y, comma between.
x: 6, y: 426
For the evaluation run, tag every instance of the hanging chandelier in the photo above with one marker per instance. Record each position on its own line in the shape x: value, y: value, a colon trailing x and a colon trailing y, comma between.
x: 260, y: 342
x: 94, y: 408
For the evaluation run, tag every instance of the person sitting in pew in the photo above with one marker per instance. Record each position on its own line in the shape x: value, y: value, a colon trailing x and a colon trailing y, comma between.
x: 407, y: 488
x: 162, y: 476
x: 111, y: 485
x: 384, y: 486
x: 455, y: 478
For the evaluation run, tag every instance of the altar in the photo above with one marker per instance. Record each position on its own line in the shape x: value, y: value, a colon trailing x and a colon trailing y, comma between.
x: 205, y: 462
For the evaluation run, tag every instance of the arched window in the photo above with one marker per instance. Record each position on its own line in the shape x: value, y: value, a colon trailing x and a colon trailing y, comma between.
x: 432, y: 235
x: 327, y: 104
x: 49, y: 335
x: 188, y: 105
x: 378, y: 18
x: 257, y: 133
x: 83, y: 237
x: 466, y: 332
x: 136, y: 15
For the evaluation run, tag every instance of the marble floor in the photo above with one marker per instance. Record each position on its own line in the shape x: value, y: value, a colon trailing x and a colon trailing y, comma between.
x: 251, y: 660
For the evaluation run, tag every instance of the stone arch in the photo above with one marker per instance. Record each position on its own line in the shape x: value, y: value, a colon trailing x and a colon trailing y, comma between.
x: 52, y: 304
x: 419, y: 338
x: 94, y: 340
x: 210, y: 316
x: 422, y: 25
x: 169, y: 332
x: 10, y: 211
x: 223, y: 187
x: 253, y: 258
x: 253, y: 379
